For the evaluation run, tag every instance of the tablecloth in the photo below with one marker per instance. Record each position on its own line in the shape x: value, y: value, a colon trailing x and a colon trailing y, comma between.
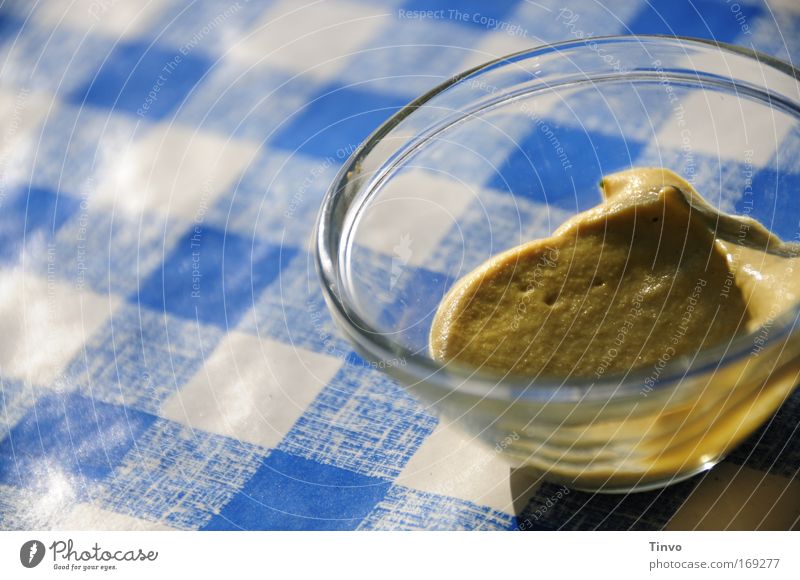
x: 166, y: 358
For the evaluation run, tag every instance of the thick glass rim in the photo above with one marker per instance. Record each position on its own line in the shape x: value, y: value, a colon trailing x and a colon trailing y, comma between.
x: 468, y: 380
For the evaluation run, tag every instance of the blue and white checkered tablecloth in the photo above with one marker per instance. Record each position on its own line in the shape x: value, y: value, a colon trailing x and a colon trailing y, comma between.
x: 166, y: 358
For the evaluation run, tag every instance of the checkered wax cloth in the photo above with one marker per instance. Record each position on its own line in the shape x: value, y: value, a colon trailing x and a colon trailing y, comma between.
x: 166, y: 358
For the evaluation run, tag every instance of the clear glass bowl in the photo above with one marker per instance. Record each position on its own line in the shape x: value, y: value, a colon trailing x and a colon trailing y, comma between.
x: 504, y: 153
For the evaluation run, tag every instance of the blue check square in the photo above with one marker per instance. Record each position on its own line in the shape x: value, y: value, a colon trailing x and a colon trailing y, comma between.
x: 141, y: 357
x: 31, y: 218
x: 362, y: 421
x: 336, y: 121
x: 144, y: 80
x: 10, y: 27
x: 290, y: 493
x: 72, y: 436
x: 777, y: 185
x: 556, y: 164
x: 179, y: 476
x: 211, y: 276
x: 699, y: 18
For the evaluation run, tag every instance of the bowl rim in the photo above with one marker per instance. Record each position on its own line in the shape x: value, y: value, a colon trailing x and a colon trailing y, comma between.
x: 498, y: 386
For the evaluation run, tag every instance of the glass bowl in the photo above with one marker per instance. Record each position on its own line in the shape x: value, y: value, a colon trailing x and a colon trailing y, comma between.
x: 504, y: 153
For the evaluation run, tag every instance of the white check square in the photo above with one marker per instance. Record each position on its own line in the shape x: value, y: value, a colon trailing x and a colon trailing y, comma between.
x: 435, y: 201
x: 312, y: 39
x: 252, y: 389
x: 710, y: 123
x: 454, y: 464
x: 45, y: 322
x: 119, y: 20
x: 174, y: 170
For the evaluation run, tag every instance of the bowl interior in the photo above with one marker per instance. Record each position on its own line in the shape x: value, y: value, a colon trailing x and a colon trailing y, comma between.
x: 501, y: 158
